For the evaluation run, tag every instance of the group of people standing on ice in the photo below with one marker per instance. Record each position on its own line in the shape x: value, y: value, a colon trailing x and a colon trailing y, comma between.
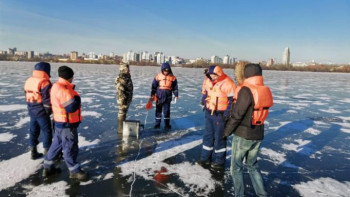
x: 229, y: 109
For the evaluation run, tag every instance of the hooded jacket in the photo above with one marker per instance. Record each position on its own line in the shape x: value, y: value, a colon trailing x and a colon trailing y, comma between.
x: 37, y: 90
x: 164, y: 85
x: 218, y: 94
x: 240, y: 121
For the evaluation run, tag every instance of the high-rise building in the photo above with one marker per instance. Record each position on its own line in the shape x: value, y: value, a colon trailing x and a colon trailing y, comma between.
x: 74, y: 55
x: 286, y: 57
x: 30, y: 54
x: 270, y: 62
x: 227, y: 59
x: 215, y: 59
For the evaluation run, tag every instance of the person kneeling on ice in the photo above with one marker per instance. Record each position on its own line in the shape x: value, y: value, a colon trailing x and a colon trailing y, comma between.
x: 37, y: 92
x: 247, y: 123
x: 66, y: 108
x: 218, y: 90
x: 163, y: 86
x: 124, y: 86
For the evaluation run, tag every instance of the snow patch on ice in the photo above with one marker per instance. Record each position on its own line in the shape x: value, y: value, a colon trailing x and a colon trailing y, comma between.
x: 312, y: 131
x: 8, y: 108
x: 84, y: 143
x: 10, y: 175
x: 20, y: 123
x: 47, y: 190
x: 91, y: 113
x: 87, y: 100
x: 323, y: 187
x: 6, y: 137
x: 332, y: 111
x: 277, y: 158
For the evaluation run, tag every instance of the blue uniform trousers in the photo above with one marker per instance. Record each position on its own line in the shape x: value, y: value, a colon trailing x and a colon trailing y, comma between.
x: 165, y: 107
x: 66, y: 140
x: 214, y: 146
x: 42, y: 123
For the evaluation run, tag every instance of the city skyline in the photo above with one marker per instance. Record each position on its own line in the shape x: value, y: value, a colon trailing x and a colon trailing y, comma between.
x: 254, y: 30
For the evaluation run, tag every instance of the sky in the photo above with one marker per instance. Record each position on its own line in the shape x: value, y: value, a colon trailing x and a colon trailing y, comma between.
x: 251, y: 30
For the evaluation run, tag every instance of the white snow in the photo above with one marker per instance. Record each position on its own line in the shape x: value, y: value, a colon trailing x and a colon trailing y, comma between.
x: 277, y: 158
x: 57, y: 189
x: 6, y: 137
x: 13, y: 170
x: 324, y: 187
x: 91, y: 113
x: 15, y: 107
x: 20, y: 123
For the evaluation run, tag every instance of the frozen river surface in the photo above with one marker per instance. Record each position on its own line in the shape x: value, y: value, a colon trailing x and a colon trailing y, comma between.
x: 305, y: 152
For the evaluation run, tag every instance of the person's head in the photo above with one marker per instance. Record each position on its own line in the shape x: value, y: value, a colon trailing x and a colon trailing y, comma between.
x: 215, y: 72
x: 124, y: 68
x: 251, y: 70
x: 66, y: 73
x: 166, y: 70
x: 43, y: 66
x: 239, y: 71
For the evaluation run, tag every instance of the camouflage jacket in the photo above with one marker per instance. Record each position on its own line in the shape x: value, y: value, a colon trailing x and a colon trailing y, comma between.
x: 124, y: 86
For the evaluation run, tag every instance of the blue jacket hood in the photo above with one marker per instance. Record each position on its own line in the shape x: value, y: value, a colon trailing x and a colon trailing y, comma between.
x: 166, y: 66
x: 43, y: 66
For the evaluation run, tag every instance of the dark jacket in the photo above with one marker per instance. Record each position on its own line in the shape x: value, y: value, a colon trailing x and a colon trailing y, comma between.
x: 240, y: 120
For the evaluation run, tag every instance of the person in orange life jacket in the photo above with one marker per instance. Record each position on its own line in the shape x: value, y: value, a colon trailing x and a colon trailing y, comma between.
x: 37, y: 93
x: 248, y: 129
x: 163, y: 86
x: 66, y: 107
x: 218, y: 94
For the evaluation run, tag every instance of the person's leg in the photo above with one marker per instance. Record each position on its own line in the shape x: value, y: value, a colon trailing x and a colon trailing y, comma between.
x: 121, y: 117
x: 45, y: 126
x: 54, y: 150
x: 34, y: 132
x: 70, y: 148
x: 239, y: 150
x: 208, y: 138
x: 159, y: 108
x: 254, y: 172
x: 166, y: 112
x: 220, y: 143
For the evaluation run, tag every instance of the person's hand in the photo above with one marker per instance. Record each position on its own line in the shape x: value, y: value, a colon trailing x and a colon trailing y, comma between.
x: 176, y: 98
x: 224, y: 137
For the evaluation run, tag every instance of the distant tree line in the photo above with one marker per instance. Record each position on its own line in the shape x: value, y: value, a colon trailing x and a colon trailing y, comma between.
x: 198, y: 64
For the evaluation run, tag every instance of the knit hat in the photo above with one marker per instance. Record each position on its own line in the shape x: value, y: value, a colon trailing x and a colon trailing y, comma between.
x: 65, y: 72
x: 251, y: 70
x: 43, y: 66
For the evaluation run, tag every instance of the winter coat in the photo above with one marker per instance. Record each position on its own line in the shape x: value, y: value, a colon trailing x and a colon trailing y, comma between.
x: 164, y: 94
x: 124, y: 86
x: 37, y: 90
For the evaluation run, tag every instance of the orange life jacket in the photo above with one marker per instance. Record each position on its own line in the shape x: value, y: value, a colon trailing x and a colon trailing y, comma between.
x: 218, y: 93
x: 34, y: 84
x: 165, y: 81
x: 62, y: 94
x: 262, y: 98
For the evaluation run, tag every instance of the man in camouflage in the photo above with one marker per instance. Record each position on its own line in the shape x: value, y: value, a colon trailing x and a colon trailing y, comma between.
x: 124, y: 86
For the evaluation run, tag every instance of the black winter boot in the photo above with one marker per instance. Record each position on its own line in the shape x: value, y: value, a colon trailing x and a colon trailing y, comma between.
x: 81, y: 175
x: 51, y: 171
x: 167, y: 124
x: 34, y: 153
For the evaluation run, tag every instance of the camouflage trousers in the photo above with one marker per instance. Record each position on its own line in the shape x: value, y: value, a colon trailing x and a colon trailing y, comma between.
x: 123, y: 109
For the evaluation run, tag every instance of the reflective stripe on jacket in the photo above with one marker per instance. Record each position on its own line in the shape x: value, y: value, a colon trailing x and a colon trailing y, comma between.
x: 62, y: 96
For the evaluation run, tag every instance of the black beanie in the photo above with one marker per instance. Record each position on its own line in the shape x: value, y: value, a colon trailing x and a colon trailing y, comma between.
x: 251, y: 70
x: 65, y: 72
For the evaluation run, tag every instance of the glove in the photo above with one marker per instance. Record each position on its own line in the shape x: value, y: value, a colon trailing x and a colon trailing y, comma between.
x: 224, y: 137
